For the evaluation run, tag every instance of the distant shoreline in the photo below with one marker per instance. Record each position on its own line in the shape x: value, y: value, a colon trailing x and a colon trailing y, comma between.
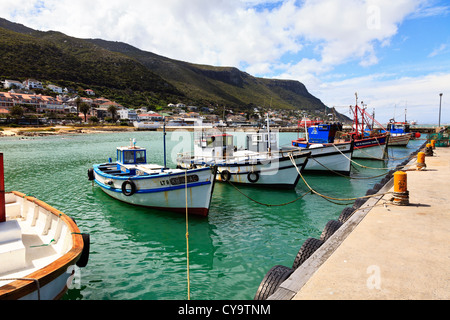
x: 64, y: 130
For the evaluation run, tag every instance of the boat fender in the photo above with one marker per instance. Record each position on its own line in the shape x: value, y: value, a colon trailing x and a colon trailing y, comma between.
x: 225, y: 175
x: 272, y: 281
x: 91, y: 174
x: 84, y: 258
x: 132, y: 187
x: 253, y: 177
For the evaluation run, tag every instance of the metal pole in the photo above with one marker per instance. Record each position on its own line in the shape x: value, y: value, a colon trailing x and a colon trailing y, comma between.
x: 440, y: 105
x: 165, y: 157
x: 2, y: 191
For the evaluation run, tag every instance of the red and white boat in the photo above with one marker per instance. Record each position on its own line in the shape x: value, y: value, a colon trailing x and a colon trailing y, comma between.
x: 369, y: 142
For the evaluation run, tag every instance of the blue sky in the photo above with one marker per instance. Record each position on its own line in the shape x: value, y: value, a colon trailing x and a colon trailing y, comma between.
x: 395, y: 54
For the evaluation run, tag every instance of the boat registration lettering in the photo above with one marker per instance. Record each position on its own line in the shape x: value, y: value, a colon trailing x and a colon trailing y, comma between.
x: 181, y: 180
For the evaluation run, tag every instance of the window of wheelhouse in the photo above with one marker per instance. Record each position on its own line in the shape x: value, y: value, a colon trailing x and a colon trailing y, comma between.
x: 132, y: 156
x: 140, y: 156
x: 128, y: 157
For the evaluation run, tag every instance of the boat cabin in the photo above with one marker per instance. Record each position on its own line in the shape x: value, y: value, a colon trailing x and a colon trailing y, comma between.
x: 259, y: 142
x: 215, y: 146
x: 131, y: 155
x: 323, y: 133
x: 128, y: 158
x: 398, y: 128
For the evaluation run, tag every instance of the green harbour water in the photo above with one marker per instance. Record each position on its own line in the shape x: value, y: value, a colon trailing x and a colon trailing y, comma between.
x: 140, y: 254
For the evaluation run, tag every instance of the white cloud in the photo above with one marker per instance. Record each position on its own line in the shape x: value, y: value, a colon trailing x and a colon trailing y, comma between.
x: 254, y: 35
x: 225, y: 32
x: 443, y: 48
x: 383, y: 92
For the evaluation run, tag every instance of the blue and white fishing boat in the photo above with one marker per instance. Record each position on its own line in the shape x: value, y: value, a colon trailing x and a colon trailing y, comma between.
x: 132, y: 180
x: 328, y: 154
x: 400, y: 133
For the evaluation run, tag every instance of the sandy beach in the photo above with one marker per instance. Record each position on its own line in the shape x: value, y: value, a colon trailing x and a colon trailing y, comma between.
x: 59, y: 130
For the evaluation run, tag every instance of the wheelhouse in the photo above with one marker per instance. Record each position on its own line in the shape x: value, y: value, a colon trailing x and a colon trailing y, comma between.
x: 131, y: 155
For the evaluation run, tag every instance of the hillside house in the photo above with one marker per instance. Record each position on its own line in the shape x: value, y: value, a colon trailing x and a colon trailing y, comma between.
x: 31, y: 84
x: 10, y: 84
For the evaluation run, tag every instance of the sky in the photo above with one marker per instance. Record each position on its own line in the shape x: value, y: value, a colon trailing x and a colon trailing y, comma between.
x: 394, y: 54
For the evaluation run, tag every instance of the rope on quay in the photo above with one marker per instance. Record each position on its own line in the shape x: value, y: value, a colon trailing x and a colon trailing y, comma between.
x: 331, y: 198
x: 265, y: 204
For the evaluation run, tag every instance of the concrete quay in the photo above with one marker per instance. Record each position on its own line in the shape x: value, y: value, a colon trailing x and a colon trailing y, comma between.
x: 384, y: 251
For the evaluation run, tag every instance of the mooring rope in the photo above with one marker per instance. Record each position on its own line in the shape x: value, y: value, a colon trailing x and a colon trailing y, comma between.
x: 265, y: 204
x: 187, y: 236
x: 360, y: 165
x: 348, y: 177
x: 327, y: 197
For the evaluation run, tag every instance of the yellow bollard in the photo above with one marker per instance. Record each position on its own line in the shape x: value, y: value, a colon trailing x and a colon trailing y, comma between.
x: 421, y: 161
x: 433, y: 144
x: 401, y: 193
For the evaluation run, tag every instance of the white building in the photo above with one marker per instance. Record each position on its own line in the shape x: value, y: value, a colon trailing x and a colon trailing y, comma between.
x: 8, y: 84
x: 55, y: 89
x: 32, y: 84
x: 129, y: 114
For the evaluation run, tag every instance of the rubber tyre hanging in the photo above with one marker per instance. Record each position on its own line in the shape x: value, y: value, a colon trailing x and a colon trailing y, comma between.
x: 91, y: 176
x: 308, y: 248
x: 84, y: 258
x: 331, y: 227
x: 225, y: 175
x: 272, y: 281
x: 253, y: 177
x: 132, y: 188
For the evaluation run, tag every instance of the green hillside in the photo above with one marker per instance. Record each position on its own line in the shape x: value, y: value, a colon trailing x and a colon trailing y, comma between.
x: 134, y: 77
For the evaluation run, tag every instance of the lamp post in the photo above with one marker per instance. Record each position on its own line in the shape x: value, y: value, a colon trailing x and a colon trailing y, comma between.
x: 440, y: 105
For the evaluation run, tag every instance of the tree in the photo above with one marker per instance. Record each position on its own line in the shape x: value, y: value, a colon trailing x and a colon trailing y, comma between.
x: 113, y: 110
x: 84, y: 108
x: 16, y: 112
x: 78, y: 102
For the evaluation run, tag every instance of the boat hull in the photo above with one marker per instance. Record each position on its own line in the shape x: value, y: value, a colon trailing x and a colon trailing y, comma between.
x: 162, y: 191
x: 41, y: 227
x: 400, y: 140
x: 374, y: 148
x: 274, y: 172
x: 329, y: 158
x: 147, y: 125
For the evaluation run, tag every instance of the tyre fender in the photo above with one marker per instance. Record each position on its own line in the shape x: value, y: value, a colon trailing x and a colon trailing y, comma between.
x: 225, y: 175
x: 91, y: 176
x: 253, y: 177
x: 132, y: 187
x: 272, y: 281
x: 84, y: 258
x: 308, y: 248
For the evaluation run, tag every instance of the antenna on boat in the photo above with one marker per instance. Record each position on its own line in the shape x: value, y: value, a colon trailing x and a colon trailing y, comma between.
x: 268, y: 133
x: 2, y: 191
x: 164, y: 138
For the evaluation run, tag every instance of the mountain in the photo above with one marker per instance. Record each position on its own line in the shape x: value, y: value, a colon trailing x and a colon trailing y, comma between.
x: 136, y: 77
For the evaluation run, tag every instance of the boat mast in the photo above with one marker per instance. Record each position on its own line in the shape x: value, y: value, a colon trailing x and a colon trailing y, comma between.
x: 164, y: 136
x: 356, y: 115
x: 2, y: 191
x: 268, y: 133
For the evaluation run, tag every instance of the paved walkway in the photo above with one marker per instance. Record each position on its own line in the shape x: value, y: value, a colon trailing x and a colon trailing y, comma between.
x: 385, y: 251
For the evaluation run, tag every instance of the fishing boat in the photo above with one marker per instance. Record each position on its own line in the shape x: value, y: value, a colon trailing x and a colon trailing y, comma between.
x: 40, y: 248
x: 258, y: 164
x: 369, y: 142
x: 400, y: 133
x: 328, y: 153
x: 132, y: 180
x: 147, y: 125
